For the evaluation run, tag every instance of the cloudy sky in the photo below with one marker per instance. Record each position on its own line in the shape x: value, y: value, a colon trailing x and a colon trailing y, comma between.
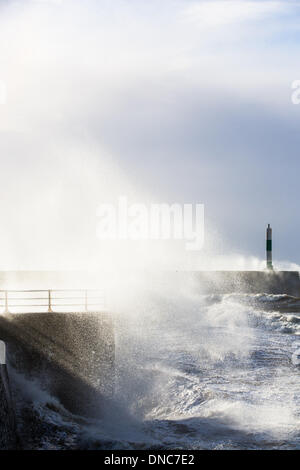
x: 165, y: 101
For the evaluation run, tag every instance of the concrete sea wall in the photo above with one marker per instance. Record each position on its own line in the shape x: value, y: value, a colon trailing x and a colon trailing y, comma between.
x: 71, y: 354
x: 8, y: 434
x: 227, y: 282
x: 271, y: 282
x: 250, y: 282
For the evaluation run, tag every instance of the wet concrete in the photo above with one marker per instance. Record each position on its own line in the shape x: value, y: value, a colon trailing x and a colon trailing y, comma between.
x: 8, y: 433
x: 71, y: 354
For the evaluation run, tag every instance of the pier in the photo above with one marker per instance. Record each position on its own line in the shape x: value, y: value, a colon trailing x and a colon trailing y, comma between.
x: 65, y: 340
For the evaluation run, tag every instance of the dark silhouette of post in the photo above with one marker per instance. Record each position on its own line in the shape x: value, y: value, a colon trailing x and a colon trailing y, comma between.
x: 269, y: 248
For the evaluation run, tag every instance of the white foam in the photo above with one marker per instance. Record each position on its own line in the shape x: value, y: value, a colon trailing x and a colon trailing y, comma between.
x: 296, y: 357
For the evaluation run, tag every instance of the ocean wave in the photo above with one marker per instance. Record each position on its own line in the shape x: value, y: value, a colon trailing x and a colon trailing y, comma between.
x: 199, y: 372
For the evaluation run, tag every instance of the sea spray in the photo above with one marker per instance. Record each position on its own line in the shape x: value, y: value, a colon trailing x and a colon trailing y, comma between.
x: 193, y: 372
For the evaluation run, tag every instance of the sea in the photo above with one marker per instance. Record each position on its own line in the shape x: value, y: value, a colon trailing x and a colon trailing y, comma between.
x: 192, y: 372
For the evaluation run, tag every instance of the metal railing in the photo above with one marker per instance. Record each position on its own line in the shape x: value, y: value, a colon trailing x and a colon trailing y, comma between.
x: 52, y: 300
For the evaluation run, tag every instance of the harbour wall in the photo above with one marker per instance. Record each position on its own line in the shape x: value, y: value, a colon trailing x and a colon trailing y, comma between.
x: 70, y: 354
x: 249, y: 282
x: 228, y: 282
x: 223, y: 282
x: 8, y: 432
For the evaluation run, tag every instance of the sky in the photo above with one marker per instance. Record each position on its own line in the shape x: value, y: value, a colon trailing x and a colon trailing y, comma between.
x: 164, y: 101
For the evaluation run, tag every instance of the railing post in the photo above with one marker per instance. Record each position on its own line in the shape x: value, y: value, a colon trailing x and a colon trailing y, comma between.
x: 49, y: 301
x: 6, y: 302
x: 86, y: 300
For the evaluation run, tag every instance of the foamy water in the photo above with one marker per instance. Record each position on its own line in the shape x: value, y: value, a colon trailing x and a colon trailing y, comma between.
x: 196, y: 372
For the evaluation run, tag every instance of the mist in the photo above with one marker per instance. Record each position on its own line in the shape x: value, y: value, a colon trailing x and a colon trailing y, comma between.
x: 103, y: 100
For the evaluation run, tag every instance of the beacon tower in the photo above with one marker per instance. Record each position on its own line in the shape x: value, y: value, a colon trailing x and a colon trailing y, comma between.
x: 269, y: 247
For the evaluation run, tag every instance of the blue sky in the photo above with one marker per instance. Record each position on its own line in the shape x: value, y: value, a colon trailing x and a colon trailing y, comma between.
x: 172, y: 101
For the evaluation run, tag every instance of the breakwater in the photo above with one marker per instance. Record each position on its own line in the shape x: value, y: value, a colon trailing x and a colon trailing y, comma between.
x: 270, y: 282
x: 8, y: 433
x: 228, y: 282
x: 250, y: 282
x: 71, y: 354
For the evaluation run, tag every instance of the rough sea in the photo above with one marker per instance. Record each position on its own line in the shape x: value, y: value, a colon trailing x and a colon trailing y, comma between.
x: 193, y: 372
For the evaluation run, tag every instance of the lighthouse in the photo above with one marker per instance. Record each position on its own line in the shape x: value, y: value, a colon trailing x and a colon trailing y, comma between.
x: 269, y: 247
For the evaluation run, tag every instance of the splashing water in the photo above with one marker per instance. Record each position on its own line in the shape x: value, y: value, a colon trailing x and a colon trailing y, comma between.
x: 194, y: 372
